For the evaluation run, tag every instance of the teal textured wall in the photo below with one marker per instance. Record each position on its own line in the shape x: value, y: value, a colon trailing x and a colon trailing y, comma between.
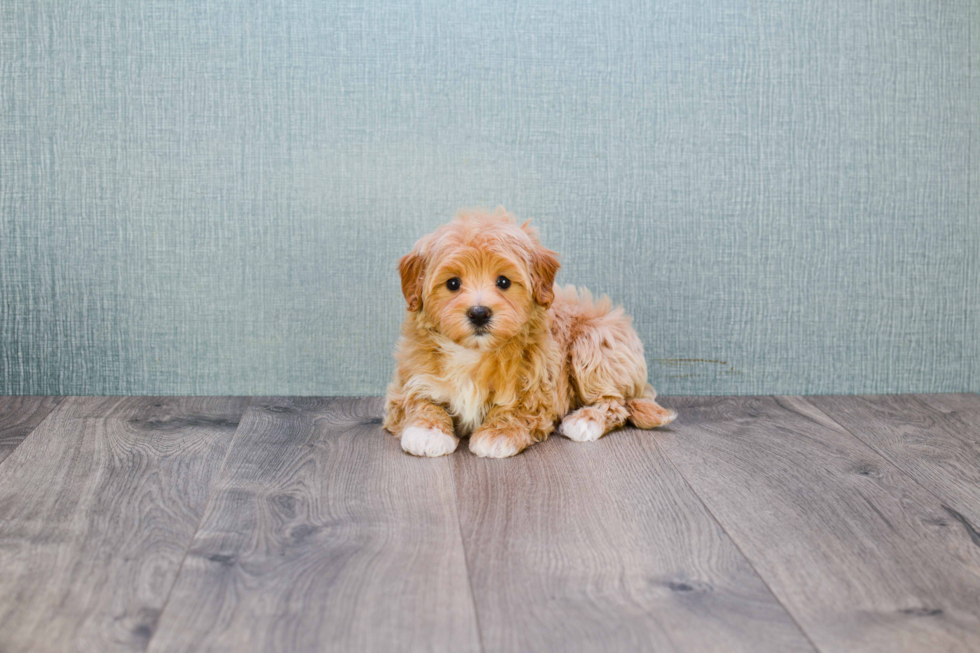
x: 210, y: 197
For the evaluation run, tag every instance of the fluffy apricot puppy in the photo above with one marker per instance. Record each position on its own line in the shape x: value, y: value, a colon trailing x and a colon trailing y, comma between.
x: 490, y: 348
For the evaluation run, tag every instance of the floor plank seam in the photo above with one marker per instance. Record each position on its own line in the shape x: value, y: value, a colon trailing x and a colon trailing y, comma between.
x: 738, y: 547
x: 466, y: 561
x: 884, y: 456
x: 61, y: 402
x: 197, y: 528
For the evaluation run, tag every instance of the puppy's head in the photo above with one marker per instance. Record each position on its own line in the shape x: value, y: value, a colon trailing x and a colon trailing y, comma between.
x: 480, y: 278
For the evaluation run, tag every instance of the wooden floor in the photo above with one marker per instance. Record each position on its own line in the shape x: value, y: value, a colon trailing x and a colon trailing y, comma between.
x: 297, y: 524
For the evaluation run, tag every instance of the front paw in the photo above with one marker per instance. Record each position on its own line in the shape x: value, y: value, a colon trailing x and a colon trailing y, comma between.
x: 420, y: 441
x: 497, y: 443
x: 581, y: 426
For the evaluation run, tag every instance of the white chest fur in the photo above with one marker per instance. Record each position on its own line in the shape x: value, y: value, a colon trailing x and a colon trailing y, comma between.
x: 467, y: 402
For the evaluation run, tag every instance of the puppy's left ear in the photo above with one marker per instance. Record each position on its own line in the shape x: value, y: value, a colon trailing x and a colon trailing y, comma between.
x: 412, y: 270
x: 544, y: 267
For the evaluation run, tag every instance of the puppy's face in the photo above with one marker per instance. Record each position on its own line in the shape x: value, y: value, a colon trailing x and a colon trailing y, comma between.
x: 478, y: 298
x: 478, y: 279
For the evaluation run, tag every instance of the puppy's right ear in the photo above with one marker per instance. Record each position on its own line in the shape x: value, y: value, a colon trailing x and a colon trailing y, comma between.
x: 412, y: 269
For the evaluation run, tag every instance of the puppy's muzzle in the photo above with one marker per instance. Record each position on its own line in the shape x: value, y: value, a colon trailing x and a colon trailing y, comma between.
x: 479, y: 316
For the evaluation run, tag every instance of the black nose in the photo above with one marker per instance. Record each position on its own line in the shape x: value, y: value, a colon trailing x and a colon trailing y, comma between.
x: 479, y: 315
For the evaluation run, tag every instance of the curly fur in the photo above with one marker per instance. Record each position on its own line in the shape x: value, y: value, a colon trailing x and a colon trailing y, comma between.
x: 549, y: 355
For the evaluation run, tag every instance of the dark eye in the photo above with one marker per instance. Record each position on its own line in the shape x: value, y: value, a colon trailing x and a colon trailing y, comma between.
x: 503, y: 282
x: 454, y: 283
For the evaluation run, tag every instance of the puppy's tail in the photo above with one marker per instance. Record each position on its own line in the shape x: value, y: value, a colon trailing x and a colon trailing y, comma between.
x: 645, y: 413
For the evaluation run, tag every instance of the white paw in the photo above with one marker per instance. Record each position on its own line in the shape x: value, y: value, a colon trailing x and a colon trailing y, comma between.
x: 493, y: 447
x: 581, y: 429
x: 428, y: 442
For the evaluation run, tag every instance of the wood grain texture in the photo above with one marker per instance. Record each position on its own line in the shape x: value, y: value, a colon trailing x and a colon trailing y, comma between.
x: 940, y: 450
x: 753, y: 523
x: 863, y: 557
x: 97, y: 508
x: 603, y: 547
x: 19, y: 416
x: 322, y: 535
x: 951, y: 403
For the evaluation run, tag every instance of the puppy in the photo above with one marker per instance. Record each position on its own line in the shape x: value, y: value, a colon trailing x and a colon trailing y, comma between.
x: 490, y: 348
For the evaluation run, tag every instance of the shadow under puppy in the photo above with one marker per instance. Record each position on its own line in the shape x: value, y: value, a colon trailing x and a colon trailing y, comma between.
x: 492, y: 349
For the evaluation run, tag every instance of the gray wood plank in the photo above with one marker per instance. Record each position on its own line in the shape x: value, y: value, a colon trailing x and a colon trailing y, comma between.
x: 603, y: 547
x: 322, y: 535
x: 951, y: 403
x: 862, y: 556
x: 939, y: 450
x: 19, y: 416
x: 97, y: 508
